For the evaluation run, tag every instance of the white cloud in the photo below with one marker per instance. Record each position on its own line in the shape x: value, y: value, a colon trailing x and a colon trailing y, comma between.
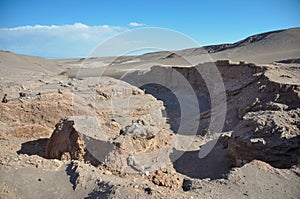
x: 75, y: 40
x: 135, y: 24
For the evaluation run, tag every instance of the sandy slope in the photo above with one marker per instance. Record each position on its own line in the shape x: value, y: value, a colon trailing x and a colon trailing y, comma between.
x: 261, y: 48
x: 13, y: 64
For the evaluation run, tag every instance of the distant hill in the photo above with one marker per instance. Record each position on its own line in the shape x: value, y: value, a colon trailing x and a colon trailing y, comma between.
x: 260, y: 48
x: 12, y: 64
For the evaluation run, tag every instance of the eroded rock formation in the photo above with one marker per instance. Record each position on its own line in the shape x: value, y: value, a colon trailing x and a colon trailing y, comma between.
x: 263, y: 107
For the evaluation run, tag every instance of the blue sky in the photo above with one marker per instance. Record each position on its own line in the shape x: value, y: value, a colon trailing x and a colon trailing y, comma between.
x: 53, y: 28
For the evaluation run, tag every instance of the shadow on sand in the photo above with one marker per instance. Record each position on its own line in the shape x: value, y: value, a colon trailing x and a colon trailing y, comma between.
x: 35, y: 147
x: 171, y: 104
x: 215, y: 165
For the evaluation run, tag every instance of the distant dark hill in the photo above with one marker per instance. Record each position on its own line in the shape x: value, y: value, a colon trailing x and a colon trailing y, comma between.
x: 260, y: 48
x: 244, y: 42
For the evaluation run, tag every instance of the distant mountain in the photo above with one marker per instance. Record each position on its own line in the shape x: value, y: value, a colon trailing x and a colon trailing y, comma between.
x: 260, y: 48
x: 244, y: 42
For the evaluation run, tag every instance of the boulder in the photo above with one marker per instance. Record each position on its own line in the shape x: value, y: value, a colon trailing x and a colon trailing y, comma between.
x: 79, y: 138
x: 140, y: 128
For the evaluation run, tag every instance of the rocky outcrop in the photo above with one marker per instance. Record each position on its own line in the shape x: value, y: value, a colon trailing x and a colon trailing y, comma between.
x: 268, y: 126
x: 271, y: 136
x: 262, y: 106
x: 35, y: 117
x: 133, y: 137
